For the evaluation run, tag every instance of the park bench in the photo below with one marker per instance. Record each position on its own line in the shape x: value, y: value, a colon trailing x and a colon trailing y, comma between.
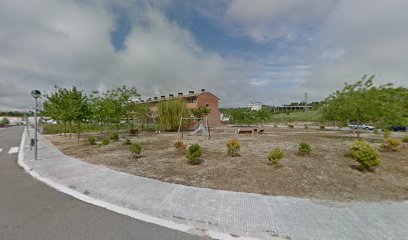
x: 244, y: 131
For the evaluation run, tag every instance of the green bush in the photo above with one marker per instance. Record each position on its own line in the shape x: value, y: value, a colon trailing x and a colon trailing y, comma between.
x: 275, y: 155
x: 193, y: 154
x: 114, y: 136
x: 291, y: 126
x: 375, y: 131
x: 180, y: 146
x: 306, y: 126
x: 135, y: 149
x: 5, y: 121
x: 105, y: 141
x: 304, y: 148
x: 405, y: 139
x: 391, y: 144
x: 234, y: 147
x: 92, y: 140
x: 127, y: 142
x: 386, y: 133
x: 322, y: 127
x: 365, y: 154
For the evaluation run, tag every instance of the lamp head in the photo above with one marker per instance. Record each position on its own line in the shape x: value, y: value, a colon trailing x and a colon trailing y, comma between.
x: 36, y: 93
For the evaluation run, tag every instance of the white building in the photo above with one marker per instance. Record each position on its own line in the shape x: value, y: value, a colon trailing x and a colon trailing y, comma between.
x: 255, y: 106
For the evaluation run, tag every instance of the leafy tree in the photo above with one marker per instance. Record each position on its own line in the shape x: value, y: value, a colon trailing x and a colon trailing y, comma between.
x: 69, y: 106
x: 364, y: 102
x: 140, y: 111
x: 201, y: 112
x: 170, y: 113
x: 113, y: 106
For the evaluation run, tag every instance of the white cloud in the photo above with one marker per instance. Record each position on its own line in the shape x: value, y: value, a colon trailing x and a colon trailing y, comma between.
x: 48, y: 42
x: 267, y: 20
x: 317, y: 45
x: 339, y: 40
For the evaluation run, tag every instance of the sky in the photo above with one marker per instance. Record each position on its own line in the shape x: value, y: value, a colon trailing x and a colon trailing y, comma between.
x: 271, y: 51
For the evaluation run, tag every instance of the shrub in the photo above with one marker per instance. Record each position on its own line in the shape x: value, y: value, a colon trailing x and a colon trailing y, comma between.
x: 322, y: 127
x: 386, y: 133
x: 135, y: 149
x: 275, y: 156
x: 365, y: 154
x: 275, y: 125
x: 105, y: 141
x: 114, y: 136
x: 193, y: 154
x: 127, y: 142
x: 306, y: 126
x: 91, y: 140
x: 5, y: 121
x: 405, y: 139
x: 291, y: 126
x: 375, y: 131
x: 180, y: 146
x: 233, y: 146
x: 304, y: 148
x: 391, y: 144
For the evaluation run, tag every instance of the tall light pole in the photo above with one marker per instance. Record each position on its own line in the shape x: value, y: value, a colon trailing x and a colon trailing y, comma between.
x: 36, y: 94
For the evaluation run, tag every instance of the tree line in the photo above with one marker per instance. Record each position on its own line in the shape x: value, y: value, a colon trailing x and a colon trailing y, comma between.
x: 364, y: 102
x: 73, y: 109
x: 360, y: 102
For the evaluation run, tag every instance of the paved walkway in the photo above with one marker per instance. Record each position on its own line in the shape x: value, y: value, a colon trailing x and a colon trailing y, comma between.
x: 236, y: 214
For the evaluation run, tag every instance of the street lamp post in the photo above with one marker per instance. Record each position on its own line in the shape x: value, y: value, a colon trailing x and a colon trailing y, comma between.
x: 36, y: 94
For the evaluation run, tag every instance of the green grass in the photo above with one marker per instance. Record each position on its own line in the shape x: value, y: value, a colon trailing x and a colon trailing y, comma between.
x: 310, y: 116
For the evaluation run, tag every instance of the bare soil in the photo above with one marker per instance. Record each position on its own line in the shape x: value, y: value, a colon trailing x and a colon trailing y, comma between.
x: 326, y: 174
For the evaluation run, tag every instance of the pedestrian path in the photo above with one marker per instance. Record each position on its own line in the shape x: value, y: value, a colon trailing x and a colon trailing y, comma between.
x: 205, y: 210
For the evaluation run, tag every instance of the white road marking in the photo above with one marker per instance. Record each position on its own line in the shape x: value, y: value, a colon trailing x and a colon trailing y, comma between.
x: 1, y: 149
x: 13, y: 150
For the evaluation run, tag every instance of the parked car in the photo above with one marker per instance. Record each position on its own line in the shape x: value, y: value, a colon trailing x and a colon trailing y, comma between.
x: 398, y: 128
x: 361, y: 126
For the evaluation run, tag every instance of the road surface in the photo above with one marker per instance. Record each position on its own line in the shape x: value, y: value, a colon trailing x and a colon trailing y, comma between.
x: 31, y: 210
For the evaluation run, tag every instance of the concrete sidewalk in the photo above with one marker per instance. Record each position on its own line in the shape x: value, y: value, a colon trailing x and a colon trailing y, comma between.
x: 204, y: 211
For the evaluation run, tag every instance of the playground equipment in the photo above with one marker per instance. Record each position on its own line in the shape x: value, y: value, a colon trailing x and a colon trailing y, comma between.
x: 202, y: 130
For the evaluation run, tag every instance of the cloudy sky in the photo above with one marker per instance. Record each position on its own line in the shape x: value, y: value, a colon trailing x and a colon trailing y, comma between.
x: 271, y: 51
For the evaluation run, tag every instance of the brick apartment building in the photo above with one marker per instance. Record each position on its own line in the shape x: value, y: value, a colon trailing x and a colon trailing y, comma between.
x: 194, y: 101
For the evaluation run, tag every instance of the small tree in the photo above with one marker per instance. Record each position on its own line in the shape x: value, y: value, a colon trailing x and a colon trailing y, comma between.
x: 234, y: 147
x: 365, y: 154
x: 391, y: 144
x: 193, y: 154
x: 304, y: 148
x: 135, y: 149
x: 91, y: 140
x: 275, y: 155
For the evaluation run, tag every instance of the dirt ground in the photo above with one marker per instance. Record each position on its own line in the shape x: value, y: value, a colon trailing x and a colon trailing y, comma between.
x: 327, y: 174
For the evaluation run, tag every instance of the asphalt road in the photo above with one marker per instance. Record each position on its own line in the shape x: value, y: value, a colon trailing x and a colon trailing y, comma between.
x: 31, y: 210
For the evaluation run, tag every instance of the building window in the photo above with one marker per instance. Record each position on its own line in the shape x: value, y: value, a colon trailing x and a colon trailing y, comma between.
x: 192, y: 100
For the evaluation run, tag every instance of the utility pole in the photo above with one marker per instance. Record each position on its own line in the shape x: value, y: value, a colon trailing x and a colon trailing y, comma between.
x: 306, y: 108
